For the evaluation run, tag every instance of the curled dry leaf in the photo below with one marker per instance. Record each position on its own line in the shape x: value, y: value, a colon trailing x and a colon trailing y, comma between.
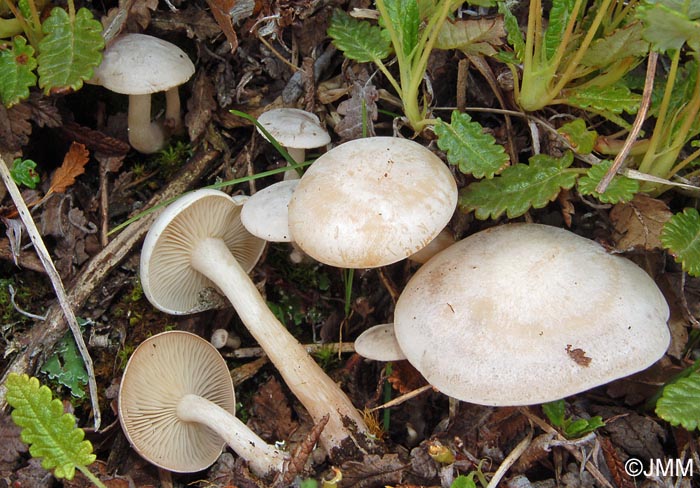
x: 638, y: 223
x: 73, y: 166
x: 272, y: 416
x: 220, y: 10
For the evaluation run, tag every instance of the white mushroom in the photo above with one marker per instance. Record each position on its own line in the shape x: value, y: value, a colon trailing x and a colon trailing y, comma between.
x: 191, y: 248
x: 379, y: 343
x: 221, y: 338
x: 139, y: 65
x: 371, y: 202
x: 266, y: 214
x: 177, y: 407
x: 525, y: 313
x: 296, y: 130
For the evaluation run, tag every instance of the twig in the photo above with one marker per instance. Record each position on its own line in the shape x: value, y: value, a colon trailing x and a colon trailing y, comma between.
x: 636, y: 127
x: 57, y: 284
x: 94, y: 272
x: 510, y: 460
x: 253, y: 352
x: 399, y: 400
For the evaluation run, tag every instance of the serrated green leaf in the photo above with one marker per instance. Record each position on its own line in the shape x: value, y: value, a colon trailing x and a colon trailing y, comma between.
x: 70, y: 50
x: 472, y: 36
x: 680, y: 402
x: 620, y: 190
x: 612, y: 98
x: 681, y: 236
x: 405, y: 19
x: 581, y: 427
x: 358, y: 39
x: 581, y: 139
x: 559, y: 16
x: 668, y: 27
x: 623, y: 43
x: 515, y: 36
x: 519, y: 188
x: 23, y: 171
x: 66, y: 366
x: 17, y: 66
x: 51, y: 433
x: 469, y: 147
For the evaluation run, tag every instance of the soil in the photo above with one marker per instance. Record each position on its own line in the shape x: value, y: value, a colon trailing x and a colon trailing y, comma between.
x: 425, y: 439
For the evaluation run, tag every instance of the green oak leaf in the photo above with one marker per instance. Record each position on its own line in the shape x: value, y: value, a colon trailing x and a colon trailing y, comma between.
x: 70, y: 50
x: 519, y: 188
x: 612, y: 98
x: 17, y: 66
x: 23, y: 171
x: 469, y: 148
x: 681, y: 236
x: 51, y: 434
x: 620, y: 190
x: 680, y: 402
x: 581, y: 139
x: 358, y: 39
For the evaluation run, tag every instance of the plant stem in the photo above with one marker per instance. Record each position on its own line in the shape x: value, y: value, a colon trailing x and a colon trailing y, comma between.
x: 93, y: 479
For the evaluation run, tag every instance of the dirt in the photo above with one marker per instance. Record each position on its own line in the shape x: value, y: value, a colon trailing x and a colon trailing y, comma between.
x: 273, y: 41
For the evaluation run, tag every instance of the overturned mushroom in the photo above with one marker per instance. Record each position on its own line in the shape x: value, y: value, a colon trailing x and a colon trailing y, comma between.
x: 189, y: 251
x: 177, y: 407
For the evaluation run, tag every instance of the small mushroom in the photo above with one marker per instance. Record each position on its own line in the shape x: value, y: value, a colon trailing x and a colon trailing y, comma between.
x: 190, y: 250
x: 266, y: 214
x: 221, y: 338
x: 522, y: 314
x: 379, y: 343
x: 177, y: 407
x: 139, y: 65
x: 371, y: 202
x: 296, y: 130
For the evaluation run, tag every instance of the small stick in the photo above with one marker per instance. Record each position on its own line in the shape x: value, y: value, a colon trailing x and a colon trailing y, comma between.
x: 256, y: 352
x: 57, y: 284
x: 638, y: 121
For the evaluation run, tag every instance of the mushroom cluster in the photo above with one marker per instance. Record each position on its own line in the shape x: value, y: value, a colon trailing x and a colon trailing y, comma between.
x: 522, y: 314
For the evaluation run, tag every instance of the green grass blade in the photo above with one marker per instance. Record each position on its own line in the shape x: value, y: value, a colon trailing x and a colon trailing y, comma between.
x: 681, y: 236
x: 51, y: 434
x: 70, y: 50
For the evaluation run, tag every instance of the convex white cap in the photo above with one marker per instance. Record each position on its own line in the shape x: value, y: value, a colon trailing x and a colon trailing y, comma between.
x: 294, y: 128
x: 525, y: 313
x: 371, y: 202
x: 139, y: 64
x: 266, y: 215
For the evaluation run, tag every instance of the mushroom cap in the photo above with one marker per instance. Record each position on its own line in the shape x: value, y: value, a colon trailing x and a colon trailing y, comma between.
x: 161, y: 370
x: 266, y: 213
x: 169, y: 281
x: 295, y: 128
x: 138, y: 64
x: 379, y: 343
x: 371, y: 202
x: 526, y: 313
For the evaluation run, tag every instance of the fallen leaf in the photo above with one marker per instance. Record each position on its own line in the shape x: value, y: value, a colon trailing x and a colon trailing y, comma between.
x: 11, y: 446
x: 615, y: 464
x: 15, y: 127
x: 220, y: 10
x: 272, y: 418
x: 200, y: 106
x: 73, y: 166
x: 373, y: 471
x: 578, y: 355
x: 404, y: 378
x: 638, y: 435
x: 638, y: 223
x: 358, y: 111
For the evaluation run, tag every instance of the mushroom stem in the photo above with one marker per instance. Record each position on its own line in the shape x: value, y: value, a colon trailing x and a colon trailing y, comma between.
x: 173, y: 117
x: 315, y: 390
x: 299, y: 156
x: 262, y: 458
x: 145, y: 136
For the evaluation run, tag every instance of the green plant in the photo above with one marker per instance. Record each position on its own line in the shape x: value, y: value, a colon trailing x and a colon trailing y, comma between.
x: 578, y: 56
x: 63, y: 49
x: 411, y: 30
x: 556, y: 413
x: 679, y: 403
x: 24, y: 172
x: 67, y: 367
x: 51, y: 434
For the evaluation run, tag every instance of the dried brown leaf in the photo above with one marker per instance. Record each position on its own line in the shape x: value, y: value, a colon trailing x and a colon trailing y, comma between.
x: 363, y: 100
x: 200, y: 107
x: 11, y: 446
x: 42, y: 110
x: 405, y: 378
x: 539, y: 449
x: 373, y: 470
x: 272, y: 418
x: 95, y: 140
x: 220, y: 10
x: 567, y: 207
x: 637, y: 435
x: 73, y: 166
x: 616, y: 466
x: 638, y: 223
x: 15, y: 126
